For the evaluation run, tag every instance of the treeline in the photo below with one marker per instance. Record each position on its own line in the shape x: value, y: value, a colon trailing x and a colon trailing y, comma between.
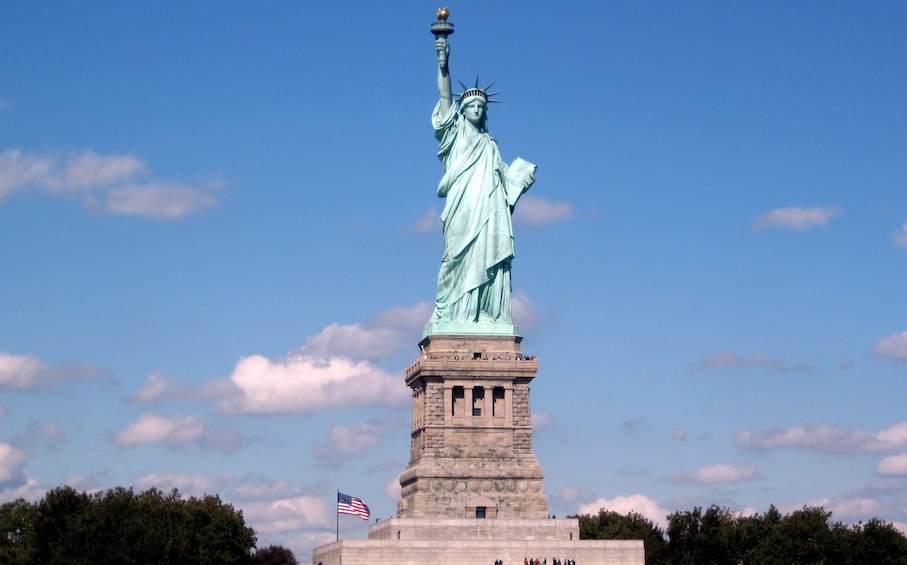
x: 124, y: 528
x: 719, y: 536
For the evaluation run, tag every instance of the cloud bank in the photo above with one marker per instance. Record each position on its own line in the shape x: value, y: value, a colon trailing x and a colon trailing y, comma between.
x: 824, y: 438
x: 893, y: 465
x: 304, y: 383
x: 110, y: 184
x: 535, y: 211
x: 794, y: 218
x: 12, y: 460
x: 190, y: 433
x: 29, y: 372
x: 638, y: 503
x: 892, y: 347
x: 900, y: 237
x: 715, y: 474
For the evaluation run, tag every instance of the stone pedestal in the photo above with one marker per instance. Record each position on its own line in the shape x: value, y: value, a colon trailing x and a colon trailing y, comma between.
x: 483, y: 542
x: 471, y: 441
x: 472, y: 491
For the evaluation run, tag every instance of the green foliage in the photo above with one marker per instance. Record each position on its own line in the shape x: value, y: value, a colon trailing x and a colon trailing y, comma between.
x: 698, y: 538
x: 719, y: 536
x: 120, y: 527
x: 611, y: 525
x: 275, y: 555
x: 15, y: 522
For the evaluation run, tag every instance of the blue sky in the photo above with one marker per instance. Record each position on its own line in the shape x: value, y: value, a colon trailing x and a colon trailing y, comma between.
x: 219, y: 246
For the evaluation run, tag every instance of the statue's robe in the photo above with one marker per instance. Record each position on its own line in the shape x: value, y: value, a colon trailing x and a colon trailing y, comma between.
x: 474, y: 280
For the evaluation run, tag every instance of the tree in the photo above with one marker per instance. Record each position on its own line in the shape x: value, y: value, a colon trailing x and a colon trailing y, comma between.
x: 697, y: 538
x: 885, y: 544
x: 632, y: 526
x: 122, y: 528
x: 16, y: 518
x: 275, y: 555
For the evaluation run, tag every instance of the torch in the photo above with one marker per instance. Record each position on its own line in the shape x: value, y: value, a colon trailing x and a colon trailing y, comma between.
x: 442, y: 28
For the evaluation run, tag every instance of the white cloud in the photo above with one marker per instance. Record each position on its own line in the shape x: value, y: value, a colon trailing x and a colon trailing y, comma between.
x: 308, y: 384
x: 403, y: 317
x: 392, y: 489
x: 304, y: 543
x: 12, y: 460
x: 261, y: 489
x: 714, y: 474
x: 196, y: 485
x: 287, y: 514
x: 327, y: 372
x: 28, y: 371
x: 534, y: 211
x: 638, y: 503
x: 90, y: 483
x: 283, y: 514
x: 102, y: 182
x: 158, y: 200
x: 854, y: 508
x: 189, y: 432
x: 796, y: 218
x: 893, y: 465
x: 88, y: 170
x: 428, y: 222
x: 822, y: 502
x: 48, y: 433
x: 820, y: 437
x: 79, y: 173
x: 892, y: 347
x: 154, y: 387
x: 380, y: 337
x: 679, y: 434
x: 355, y: 341
x: 525, y: 312
x: 732, y: 359
x: 158, y: 389
x: 29, y: 490
x: 542, y: 420
x: 354, y: 440
x: 348, y: 443
x: 900, y: 237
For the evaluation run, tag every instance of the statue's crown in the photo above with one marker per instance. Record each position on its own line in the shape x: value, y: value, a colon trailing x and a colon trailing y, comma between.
x: 475, y: 91
x: 469, y: 93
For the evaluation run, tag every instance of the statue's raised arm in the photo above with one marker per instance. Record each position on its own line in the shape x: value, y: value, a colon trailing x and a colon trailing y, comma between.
x: 445, y: 91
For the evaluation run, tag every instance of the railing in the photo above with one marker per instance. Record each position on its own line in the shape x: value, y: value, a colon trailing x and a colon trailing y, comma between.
x: 465, y: 361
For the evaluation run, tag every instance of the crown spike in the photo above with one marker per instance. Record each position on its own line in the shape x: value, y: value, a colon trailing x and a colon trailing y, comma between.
x: 476, y: 91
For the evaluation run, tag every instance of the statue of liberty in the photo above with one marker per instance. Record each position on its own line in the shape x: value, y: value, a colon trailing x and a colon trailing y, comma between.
x: 480, y: 192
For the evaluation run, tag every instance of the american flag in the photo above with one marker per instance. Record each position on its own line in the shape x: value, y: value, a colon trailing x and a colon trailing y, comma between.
x: 351, y: 505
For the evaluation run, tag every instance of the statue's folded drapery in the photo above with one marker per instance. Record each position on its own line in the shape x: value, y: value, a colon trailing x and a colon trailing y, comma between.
x: 474, y: 280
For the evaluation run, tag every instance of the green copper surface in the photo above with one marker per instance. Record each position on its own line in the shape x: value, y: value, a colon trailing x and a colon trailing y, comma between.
x: 480, y: 192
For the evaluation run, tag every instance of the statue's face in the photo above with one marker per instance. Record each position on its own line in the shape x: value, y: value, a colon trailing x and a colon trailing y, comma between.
x: 474, y: 112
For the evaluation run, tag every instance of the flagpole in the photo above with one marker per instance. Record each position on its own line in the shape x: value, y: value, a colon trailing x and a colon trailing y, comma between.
x: 337, y: 512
